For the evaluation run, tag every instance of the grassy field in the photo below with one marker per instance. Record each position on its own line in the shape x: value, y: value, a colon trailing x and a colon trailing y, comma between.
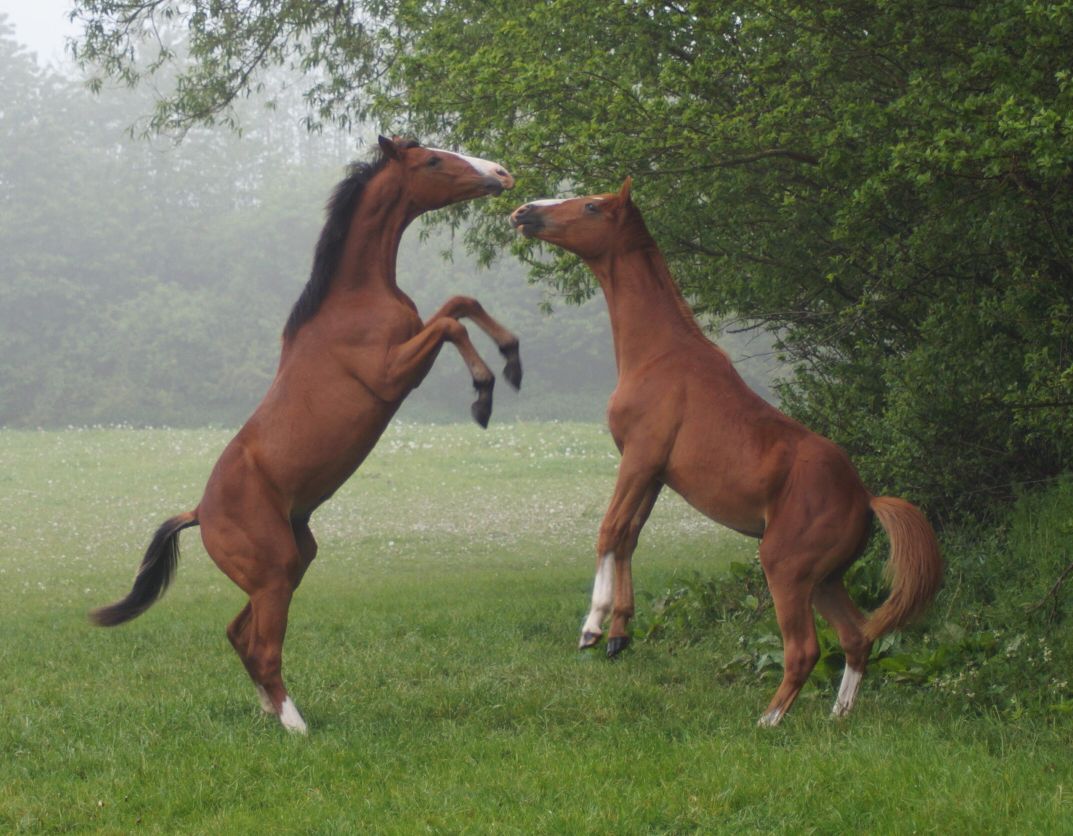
x: 431, y: 651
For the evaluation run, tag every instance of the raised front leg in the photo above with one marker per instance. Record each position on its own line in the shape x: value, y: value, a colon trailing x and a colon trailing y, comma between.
x: 408, y: 363
x: 466, y: 306
x: 635, y: 495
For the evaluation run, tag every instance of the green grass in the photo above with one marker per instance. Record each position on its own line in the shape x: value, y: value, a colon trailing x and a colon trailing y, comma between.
x: 431, y: 651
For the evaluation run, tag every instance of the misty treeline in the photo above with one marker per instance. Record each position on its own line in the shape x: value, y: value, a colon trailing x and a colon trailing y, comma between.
x: 146, y: 281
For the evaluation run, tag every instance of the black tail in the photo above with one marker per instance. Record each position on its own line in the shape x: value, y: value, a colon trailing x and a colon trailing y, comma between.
x: 154, y: 575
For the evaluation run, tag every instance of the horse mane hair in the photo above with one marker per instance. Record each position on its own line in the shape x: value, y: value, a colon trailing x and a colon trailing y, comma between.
x: 344, y: 202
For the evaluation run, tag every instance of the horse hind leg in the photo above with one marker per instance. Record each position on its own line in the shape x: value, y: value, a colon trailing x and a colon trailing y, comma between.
x: 841, y: 613
x: 264, y: 660
x: 239, y: 636
x: 267, y: 567
x: 259, y: 644
x: 264, y: 653
x: 792, y: 596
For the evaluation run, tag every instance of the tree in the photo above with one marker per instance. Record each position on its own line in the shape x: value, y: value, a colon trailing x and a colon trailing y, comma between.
x: 884, y: 186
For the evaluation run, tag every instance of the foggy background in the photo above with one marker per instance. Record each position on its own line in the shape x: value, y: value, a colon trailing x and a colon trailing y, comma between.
x: 146, y: 282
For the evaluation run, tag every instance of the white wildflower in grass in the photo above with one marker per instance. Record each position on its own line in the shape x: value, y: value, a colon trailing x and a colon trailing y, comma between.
x: 1014, y: 645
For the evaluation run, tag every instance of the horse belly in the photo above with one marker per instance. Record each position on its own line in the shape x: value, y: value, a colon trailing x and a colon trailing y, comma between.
x: 309, y: 454
x: 735, y: 511
x: 330, y: 465
x: 721, y: 486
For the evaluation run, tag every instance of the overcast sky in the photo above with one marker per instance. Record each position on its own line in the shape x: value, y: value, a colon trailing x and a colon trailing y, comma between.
x: 41, y: 25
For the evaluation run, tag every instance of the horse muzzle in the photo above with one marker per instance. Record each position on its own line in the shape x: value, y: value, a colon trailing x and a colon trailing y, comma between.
x: 527, y: 220
x: 498, y: 182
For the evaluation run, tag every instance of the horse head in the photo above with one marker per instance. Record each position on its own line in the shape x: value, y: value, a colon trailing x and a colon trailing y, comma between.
x: 587, y: 226
x: 435, y: 178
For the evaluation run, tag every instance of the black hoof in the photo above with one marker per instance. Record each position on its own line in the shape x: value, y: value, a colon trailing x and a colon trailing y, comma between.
x: 481, y: 411
x: 588, y: 640
x: 513, y: 370
x: 482, y: 407
x: 616, y: 645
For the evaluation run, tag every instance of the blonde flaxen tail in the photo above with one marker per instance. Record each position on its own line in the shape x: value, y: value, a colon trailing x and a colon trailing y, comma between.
x: 915, y: 568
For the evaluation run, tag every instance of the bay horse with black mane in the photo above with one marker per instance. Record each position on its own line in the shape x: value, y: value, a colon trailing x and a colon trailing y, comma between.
x: 353, y: 348
x: 682, y: 416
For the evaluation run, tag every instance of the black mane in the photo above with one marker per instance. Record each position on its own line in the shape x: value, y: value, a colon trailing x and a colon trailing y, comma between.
x: 340, y: 209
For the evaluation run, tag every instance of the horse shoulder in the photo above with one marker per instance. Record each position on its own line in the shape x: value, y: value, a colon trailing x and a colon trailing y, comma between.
x: 647, y: 406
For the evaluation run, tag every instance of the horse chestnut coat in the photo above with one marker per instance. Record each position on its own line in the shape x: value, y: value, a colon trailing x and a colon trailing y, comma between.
x: 682, y: 416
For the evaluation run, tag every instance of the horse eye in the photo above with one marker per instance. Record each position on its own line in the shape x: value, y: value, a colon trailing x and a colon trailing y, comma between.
x: 433, y: 161
x: 590, y: 207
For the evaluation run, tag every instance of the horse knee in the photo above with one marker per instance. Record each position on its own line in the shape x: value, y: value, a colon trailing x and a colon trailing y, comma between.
x: 463, y: 305
x: 453, y: 330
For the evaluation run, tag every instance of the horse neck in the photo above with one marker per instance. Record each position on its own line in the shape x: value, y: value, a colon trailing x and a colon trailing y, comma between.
x: 372, y: 242
x: 649, y: 315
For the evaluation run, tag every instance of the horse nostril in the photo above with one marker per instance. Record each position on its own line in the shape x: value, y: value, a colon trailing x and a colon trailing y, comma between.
x: 502, y: 172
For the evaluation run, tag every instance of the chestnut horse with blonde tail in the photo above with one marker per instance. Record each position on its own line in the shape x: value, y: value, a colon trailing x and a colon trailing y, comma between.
x: 682, y: 416
x: 353, y: 348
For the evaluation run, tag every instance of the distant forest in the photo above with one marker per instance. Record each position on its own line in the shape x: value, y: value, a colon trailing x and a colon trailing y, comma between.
x: 146, y: 281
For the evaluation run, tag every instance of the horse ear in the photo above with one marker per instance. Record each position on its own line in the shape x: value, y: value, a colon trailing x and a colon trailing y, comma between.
x: 624, y: 192
x: 389, y: 147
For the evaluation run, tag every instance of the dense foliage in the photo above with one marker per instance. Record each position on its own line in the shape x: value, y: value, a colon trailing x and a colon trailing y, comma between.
x: 885, y: 186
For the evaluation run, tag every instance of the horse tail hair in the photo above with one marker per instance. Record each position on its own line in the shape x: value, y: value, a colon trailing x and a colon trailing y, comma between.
x: 915, y: 569
x: 155, y: 573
